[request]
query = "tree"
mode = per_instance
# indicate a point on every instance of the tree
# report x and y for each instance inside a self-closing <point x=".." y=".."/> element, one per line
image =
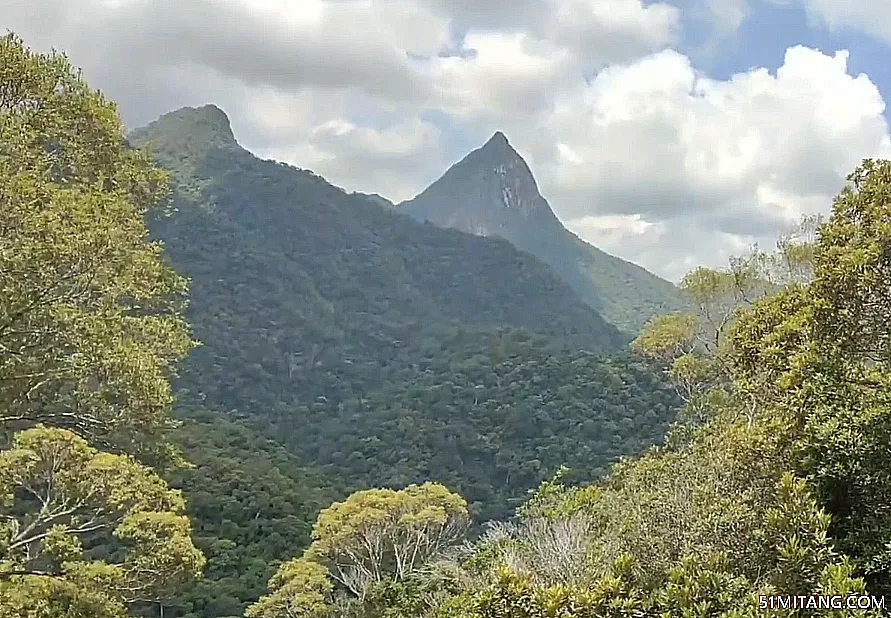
<point x="90" y="326"/>
<point x="90" y="317"/>
<point x="64" y="499"/>
<point x="820" y="356"/>
<point x="381" y="534"/>
<point x="804" y="362"/>
<point x="695" y="345"/>
<point x="300" y="589"/>
<point x="547" y="550"/>
<point x="374" y="538"/>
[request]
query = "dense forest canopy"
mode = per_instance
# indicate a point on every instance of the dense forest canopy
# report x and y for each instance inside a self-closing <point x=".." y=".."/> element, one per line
<point x="381" y="350"/>
<point x="356" y="435"/>
<point x="774" y="482"/>
<point x="376" y="350"/>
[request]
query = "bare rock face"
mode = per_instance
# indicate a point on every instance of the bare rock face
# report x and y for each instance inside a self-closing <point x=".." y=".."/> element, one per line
<point x="491" y="192"/>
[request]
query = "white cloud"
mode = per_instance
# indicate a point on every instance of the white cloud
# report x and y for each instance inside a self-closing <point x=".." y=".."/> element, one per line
<point x="602" y="31"/>
<point x="663" y="247"/>
<point x="341" y="151"/>
<point x="872" y="17"/>
<point x="655" y="141"/>
<point x="507" y="73"/>
<point x="635" y="149"/>
<point x="596" y="31"/>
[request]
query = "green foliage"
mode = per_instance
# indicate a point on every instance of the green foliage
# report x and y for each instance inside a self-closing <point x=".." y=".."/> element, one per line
<point x="378" y="531"/>
<point x="553" y="499"/>
<point x="491" y="418"/>
<point x="373" y="544"/>
<point x="90" y="519"/>
<point x="419" y="595"/>
<point x="252" y="505"/>
<point x="699" y="349"/>
<point x="89" y="314"/>
<point x="668" y="336"/>
<point x="299" y="589"/>
<point x="823" y="351"/>
<point x="783" y="488"/>
<point x="90" y="326"/>
<point x="513" y="596"/>
<point x="384" y="351"/>
<point x="79" y="492"/>
<point x="42" y="597"/>
<point x="798" y="530"/>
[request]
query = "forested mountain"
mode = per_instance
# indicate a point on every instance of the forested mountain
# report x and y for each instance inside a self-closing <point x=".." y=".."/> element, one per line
<point x="374" y="350"/>
<point x="491" y="192"/>
<point x="382" y="348"/>
<point x="310" y="269"/>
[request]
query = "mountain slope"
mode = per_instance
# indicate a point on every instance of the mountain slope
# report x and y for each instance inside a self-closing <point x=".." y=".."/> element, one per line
<point x="364" y="275"/>
<point x="379" y="350"/>
<point x="492" y="192"/>
<point x="250" y="502"/>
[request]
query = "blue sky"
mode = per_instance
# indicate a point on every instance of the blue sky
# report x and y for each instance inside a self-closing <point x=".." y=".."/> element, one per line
<point x="770" y="28"/>
<point x="672" y="133"/>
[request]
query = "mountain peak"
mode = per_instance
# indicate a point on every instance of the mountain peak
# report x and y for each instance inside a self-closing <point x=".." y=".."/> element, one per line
<point x="207" y="125"/>
<point x="213" y="117"/>
<point x="499" y="166"/>
<point x="498" y="139"/>
<point x="491" y="191"/>
<point x="499" y="148"/>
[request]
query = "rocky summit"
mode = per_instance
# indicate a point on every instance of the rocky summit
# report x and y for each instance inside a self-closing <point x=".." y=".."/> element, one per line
<point x="492" y="192"/>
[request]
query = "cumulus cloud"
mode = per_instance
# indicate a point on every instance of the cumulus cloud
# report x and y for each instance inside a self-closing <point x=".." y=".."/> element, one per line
<point x="657" y="132"/>
<point x="636" y="150"/>
<point x="700" y="159"/>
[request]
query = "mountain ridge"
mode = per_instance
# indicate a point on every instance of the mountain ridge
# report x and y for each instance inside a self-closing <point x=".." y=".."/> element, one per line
<point x="493" y="192"/>
<point x="321" y="312"/>
<point x="375" y="350"/>
<point x="323" y="229"/>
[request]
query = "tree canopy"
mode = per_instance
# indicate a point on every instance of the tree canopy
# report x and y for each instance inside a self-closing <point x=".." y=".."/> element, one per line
<point x="374" y="539"/>
<point x="90" y="321"/>
<point x="90" y="326"/>
<point x="778" y="485"/>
